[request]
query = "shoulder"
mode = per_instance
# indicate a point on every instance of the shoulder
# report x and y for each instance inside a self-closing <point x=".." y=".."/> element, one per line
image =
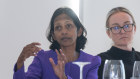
<point x="91" y="58"/>
<point x="107" y="54"/>
<point x="137" y="54"/>
<point x="104" y="55"/>
<point x="95" y="62"/>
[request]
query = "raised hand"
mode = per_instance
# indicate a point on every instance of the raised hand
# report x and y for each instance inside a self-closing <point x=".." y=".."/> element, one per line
<point x="59" y="68"/>
<point x="28" y="50"/>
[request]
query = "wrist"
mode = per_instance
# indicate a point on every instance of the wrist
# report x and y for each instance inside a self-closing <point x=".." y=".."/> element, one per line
<point x="21" y="59"/>
<point x="19" y="65"/>
<point x="64" y="77"/>
<point x="20" y="62"/>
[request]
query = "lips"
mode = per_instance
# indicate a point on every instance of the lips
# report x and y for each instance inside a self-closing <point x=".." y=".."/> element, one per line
<point x="123" y="37"/>
<point x="65" y="38"/>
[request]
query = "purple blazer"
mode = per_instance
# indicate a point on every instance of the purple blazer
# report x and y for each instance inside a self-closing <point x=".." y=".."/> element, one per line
<point x="41" y="68"/>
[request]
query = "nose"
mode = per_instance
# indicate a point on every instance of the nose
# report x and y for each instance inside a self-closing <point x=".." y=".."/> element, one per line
<point x="122" y="30"/>
<point x="64" y="31"/>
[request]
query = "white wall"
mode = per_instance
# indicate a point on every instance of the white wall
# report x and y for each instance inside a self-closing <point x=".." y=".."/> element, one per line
<point x="94" y="17"/>
<point x="25" y="21"/>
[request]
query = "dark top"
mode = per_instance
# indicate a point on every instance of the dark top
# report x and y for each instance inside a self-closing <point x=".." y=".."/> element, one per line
<point x="114" y="53"/>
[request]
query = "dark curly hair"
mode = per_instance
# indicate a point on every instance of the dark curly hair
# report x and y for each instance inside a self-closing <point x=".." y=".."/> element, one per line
<point x="80" y="42"/>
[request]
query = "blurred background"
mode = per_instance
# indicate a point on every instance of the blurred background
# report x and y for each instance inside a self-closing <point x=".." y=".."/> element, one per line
<point x="25" y="21"/>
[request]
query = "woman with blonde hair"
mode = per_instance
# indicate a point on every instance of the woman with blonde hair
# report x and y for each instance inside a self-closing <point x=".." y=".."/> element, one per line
<point x="121" y="28"/>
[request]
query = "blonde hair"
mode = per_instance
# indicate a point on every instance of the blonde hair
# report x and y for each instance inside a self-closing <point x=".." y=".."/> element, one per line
<point x="116" y="10"/>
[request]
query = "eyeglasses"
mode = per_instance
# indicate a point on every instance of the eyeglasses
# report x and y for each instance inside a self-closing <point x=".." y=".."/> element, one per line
<point x="117" y="29"/>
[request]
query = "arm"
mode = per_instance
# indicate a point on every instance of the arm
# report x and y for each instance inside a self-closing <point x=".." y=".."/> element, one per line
<point x="34" y="70"/>
<point x="93" y="71"/>
<point x="19" y="74"/>
<point x="28" y="50"/>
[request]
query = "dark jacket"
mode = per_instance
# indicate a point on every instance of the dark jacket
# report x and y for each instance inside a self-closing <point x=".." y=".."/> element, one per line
<point x="114" y="53"/>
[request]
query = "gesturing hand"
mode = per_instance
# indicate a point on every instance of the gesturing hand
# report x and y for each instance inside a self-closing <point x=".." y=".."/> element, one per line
<point x="59" y="68"/>
<point x="28" y="50"/>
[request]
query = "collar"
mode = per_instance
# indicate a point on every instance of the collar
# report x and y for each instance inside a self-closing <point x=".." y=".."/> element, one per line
<point x="120" y="54"/>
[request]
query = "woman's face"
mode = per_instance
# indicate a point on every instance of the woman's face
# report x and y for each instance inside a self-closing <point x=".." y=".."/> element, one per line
<point x="65" y="31"/>
<point x="122" y="38"/>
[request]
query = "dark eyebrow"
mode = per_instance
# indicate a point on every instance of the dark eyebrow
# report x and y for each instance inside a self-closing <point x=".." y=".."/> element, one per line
<point x="67" y="21"/>
<point x="56" y="23"/>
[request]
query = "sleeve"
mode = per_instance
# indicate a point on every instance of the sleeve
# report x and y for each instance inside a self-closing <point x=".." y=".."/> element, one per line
<point x="101" y="67"/>
<point x="34" y="71"/>
<point x="100" y="70"/>
<point x="93" y="71"/>
<point x="19" y="74"/>
<point x="68" y="77"/>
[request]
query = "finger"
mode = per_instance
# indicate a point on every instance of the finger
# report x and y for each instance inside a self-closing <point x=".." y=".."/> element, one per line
<point x="62" y="65"/>
<point x="33" y="54"/>
<point x="64" y="59"/>
<point x="58" y="55"/>
<point x="27" y="54"/>
<point x="32" y="45"/>
<point x="31" y="51"/>
<point x="37" y="49"/>
<point x="35" y="43"/>
<point x="52" y="62"/>
<point x="63" y="56"/>
<point x="61" y="52"/>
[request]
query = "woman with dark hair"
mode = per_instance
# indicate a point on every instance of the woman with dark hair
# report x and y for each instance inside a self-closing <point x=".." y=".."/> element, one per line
<point x="121" y="28"/>
<point x="68" y="37"/>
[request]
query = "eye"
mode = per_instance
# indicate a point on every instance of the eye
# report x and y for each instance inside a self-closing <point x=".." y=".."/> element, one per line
<point x="69" y="26"/>
<point x="57" y="28"/>
<point x="126" y="26"/>
<point x="116" y="28"/>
